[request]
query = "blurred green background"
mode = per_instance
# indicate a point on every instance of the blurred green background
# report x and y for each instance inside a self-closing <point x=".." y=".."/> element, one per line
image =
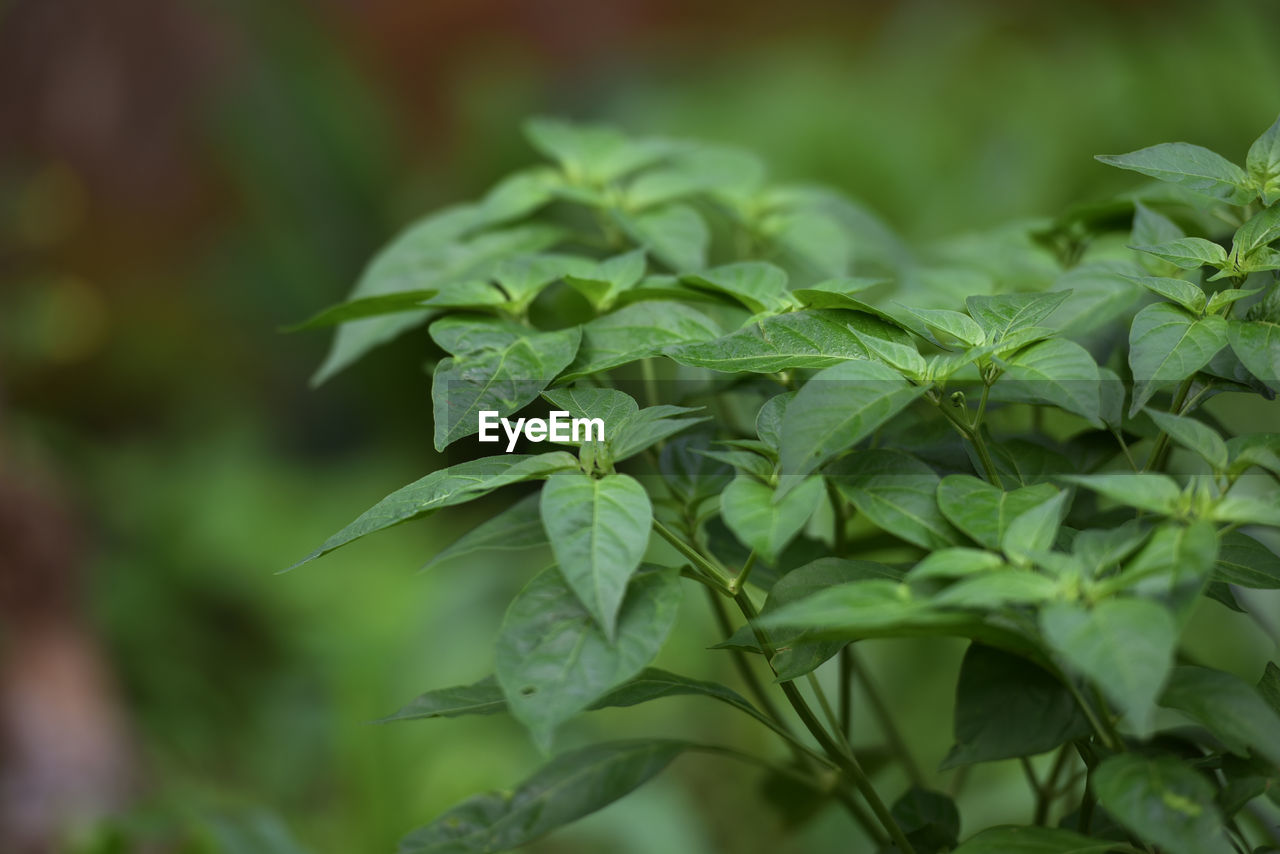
<point x="180" y="178"/>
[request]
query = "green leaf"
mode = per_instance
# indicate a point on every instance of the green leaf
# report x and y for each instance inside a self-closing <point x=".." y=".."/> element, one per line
<point x="1155" y="492"/>
<point x="956" y="563"/>
<point x="1193" y="435"/>
<point x="479" y="698"/>
<point x="1257" y="344"/>
<point x="355" y="309"/>
<point x="1032" y="840"/>
<point x="599" y="530"/>
<point x="432" y="254"/>
<point x="813" y="239"/>
<point x="837" y="408"/>
<point x="1163" y="802"/>
<point x="762" y="523"/>
<point x="1124" y="645"/>
<point x="592" y="153"/>
<point x="495" y="365"/>
<point x="928" y="819"/>
<point x="984" y="511"/>
<point x="897" y="493"/>
<point x="838" y="293"/>
<point x="1248" y="510"/>
<point x="523" y="277"/>
<point x="637" y="331"/>
<point x="485" y="697"/>
<point x="1151" y="227"/>
<point x="676" y="234"/>
<point x="1056" y="371"/>
<point x="552" y="659"/>
<point x="609" y="278"/>
<point x="1001" y="314"/>
<point x="1245" y="562"/>
<point x="1228" y="707"/>
<point x="1166" y="344"/>
<point x="798" y="339"/>
<point x="705" y="169"/>
<point x="996" y="590"/>
<point x="445" y="488"/>
<point x="1008" y="707"/>
<point x="517" y="528"/>
<point x="1263" y="164"/>
<point x="1183" y="553"/>
<point x="794" y="657"/>
<point x="1261" y="229"/>
<point x="769" y="419"/>
<point x="1269" y="686"/>
<point x="1188" y="253"/>
<point x="628" y="429"/>
<point x="1032" y="532"/>
<point x="902" y="357"/>
<point x="567" y="788"/>
<point x="1224" y="298"/>
<point x="1191" y="166"/>
<point x="1186" y="294"/>
<point x="759" y="286"/>
<point x="945" y="327"/>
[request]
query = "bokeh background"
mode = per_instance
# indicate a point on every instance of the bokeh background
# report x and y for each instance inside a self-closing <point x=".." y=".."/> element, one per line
<point x="181" y="178"/>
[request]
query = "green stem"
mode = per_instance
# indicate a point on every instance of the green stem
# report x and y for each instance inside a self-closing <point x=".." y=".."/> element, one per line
<point x="754" y="686"/>
<point x="736" y="583"/>
<point x="650" y="382"/>
<point x="884" y="717"/>
<point x="840" y="539"/>
<point x="845" y="760"/>
<point x="846" y="693"/>
<point x="714" y="575"/>
<point x="975" y="438"/>
<point x="1161" y="449"/>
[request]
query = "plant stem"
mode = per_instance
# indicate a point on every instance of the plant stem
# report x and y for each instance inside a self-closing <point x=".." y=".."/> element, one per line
<point x="736" y="583"/>
<point x="749" y="677"/>
<point x="844" y="759"/>
<point x="840" y="540"/>
<point x="884" y="717"/>
<point x="714" y="575"/>
<point x="1161" y="449"/>
<point x="846" y="693"/>
<point x="974" y="435"/>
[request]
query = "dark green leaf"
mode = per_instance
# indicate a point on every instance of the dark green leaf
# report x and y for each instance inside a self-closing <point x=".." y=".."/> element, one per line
<point x="897" y="493"/>
<point x="837" y="408"/>
<point x="762" y="523"/>
<point x="553" y="660"/>
<point x="635" y="332"/>
<point x="1228" y="707"/>
<point x="759" y="286"/>
<point x="1257" y="344"/>
<point x="570" y="786"/>
<point x="1007" y="707"/>
<point x="495" y="365"/>
<point x="1162" y="801"/>
<point x="479" y="698"/>
<point x="1166" y="344"/>
<point x="517" y="528"/>
<point x="1192" y="166"/>
<point x="799" y="339"/>
<point x="983" y="511"/>
<point x="929" y="819"/>
<point x="1056" y="371"/>
<point x="1003" y="314"/>
<point x="1244" y="561"/>
<point x="1032" y="840"/>
<point x="445" y="488"/>
<point x="1263" y="164"/>
<point x="1124" y="645"/>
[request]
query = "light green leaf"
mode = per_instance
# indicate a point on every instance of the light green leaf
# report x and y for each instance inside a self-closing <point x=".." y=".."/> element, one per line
<point x="1261" y="229"/>
<point x="769" y="419"/>
<point x="567" y="788"/>
<point x="432" y="254"/>
<point x="609" y="278"/>
<point x="1149" y="228"/>
<point x="1166" y="344"/>
<point x="1228" y="707"/>
<point x="837" y="408"/>
<point x="637" y="331"/>
<point x="355" y="309"/>
<point x="1191" y="166"/>
<point x="704" y="169"/>
<point x="1257" y="344"/>
<point x="817" y="241"/>
<point x="798" y="339"/>
<point x="1056" y="371"/>
<point x="591" y="153"/>
<point x="445" y="488"/>
<point x="838" y="293"/>
<point x="648" y="427"/>
<point x="1188" y="253"/>
<point x="902" y="357"/>
<point x="762" y="523"/>
<point x="1032" y="840"/>
<point x="1244" y="561"/>
<point x="1248" y="510"/>
<point x="479" y="698"/>
<point x="495" y="365"/>
<point x="958" y="562"/>
<point x="1008" y="707"/>
<point x="897" y="493"/>
<point x="1032" y="532"/>
<point x="983" y="511"/>
<point x="517" y="528"/>
<point x="676" y="234"/>
<point x="1181" y="552"/>
<point x="1163" y="801"/>
<point x="945" y="327"/>
<point x="995" y="590"/>
<point x="1186" y="294"/>
<point x="523" y="277"/>
<point x="1193" y="435"/>
<point x="598" y="530"/>
<point x="1124" y="645"/>
<point x="1263" y="164"/>
<point x="759" y="286"/>
<point x="1226" y="297"/>
<point x="552" y="659"/>
<point x="1155" y="492"/>
<point x="1002" y="314"/>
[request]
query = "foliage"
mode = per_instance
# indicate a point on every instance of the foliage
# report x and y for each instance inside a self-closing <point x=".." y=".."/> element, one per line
<point x="842" y="444"/>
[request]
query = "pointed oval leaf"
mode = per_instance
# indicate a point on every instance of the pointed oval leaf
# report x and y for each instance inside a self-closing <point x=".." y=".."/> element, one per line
<point x="763" y="524"/>
<point x="1192" y="166"/>
<point x="1166" y="344"/>
<point x="598" y="530"/>
<point x="984" y="511"/>
<point x="1163" y="801"/>
<point x="1056" y="371"/>
<point x="637" y="331"/>
<point x="897" y="493"/>
<point x="1263" y="163"/>
<point x="798" y="339"/>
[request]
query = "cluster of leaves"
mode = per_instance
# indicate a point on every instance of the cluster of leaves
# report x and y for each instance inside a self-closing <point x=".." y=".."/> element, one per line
<point x="999" y="438"/>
